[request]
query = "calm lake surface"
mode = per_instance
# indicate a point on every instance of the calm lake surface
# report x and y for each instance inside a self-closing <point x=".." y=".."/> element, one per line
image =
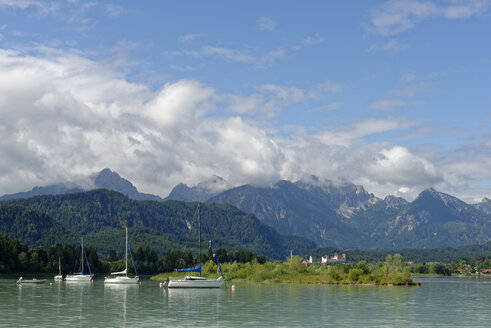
<point x="439" y="302"/>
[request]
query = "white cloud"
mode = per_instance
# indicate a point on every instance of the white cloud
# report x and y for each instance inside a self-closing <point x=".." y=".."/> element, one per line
<point x="408" y="78"/>
<point x="244" y="105"/>
<point x="251" y="55"/>
<point x="114" y="10"/>
<point x="188" y="53"/>
<point x="328" y="87"/>
<point x="65" y="116"/>
<point x="21" y="4"/>
<point x="72" y="12"/>
<point x="396" y="16"/>
<point x="229" y="54"/>
<point x="354" y="133"/>
<point x="334" y="106"/>
<point x="392" y="45"/>
<point x="398" y="166"/>
<point x="404" y="96"/>
<point x="179" y="104"/>
<point x="266" y="23"/>
<point x="388" y="103"/>
<point x="243" y="57"/>
<point x="465" y="8"/>
<point x="284" y="93"/>
<point x="411" y="90"/>
<point x="270" y="98"/>
<point x="313" y="40"/>
<point x="190" y="37"/>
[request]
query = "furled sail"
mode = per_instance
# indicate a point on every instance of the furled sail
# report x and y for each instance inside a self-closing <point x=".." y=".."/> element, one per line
<point x="120" y="272"/>
<point x="197" y="269"/>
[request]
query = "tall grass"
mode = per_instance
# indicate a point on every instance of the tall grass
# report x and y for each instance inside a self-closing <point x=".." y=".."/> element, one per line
<point x="391" y="272"/>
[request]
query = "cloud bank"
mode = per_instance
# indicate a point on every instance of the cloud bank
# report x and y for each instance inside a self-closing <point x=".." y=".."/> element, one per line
<point x="65" y="116"/>
<point x="396" y="16"/>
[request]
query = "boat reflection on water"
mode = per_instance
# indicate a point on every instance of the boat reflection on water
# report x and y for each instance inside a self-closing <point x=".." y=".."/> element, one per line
<point x="30" y="290"/>
<point x="116" y="298"/>
<point x="190" y="302"/>
<point x="118" y="292"/>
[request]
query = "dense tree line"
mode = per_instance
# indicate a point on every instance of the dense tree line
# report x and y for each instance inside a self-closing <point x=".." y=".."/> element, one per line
<point x="471" y="254"/>
<point x="16" y="257"/>
<point x="240" y="256"/>
<point x="447" y="269"/>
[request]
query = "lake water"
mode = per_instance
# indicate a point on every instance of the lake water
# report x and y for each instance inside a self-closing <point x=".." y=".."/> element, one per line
<point x="439" y="302"/>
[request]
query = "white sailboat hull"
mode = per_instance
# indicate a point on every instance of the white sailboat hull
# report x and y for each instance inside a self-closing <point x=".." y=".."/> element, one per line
<point x="33" y="281"/>
<point x="193" y="282"/>
<point x="122" y="276"/>
<point x="58" y="277"/>
<point x="79" y="277"/>
<point x="121" y="280"/>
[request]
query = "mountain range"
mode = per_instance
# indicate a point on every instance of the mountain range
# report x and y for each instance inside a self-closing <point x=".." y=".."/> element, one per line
<point x="105" y="179"/>
<point x="340" y="215"/>
<point x="347" y="216"/>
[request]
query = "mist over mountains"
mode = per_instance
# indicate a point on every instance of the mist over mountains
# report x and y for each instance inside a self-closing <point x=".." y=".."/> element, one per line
<point x="347" y="216"/>
<point x="340" y="215"/>
<point x="105" y="179"/>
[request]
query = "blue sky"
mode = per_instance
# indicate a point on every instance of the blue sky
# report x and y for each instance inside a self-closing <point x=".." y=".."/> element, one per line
<point x="392" y="95"/>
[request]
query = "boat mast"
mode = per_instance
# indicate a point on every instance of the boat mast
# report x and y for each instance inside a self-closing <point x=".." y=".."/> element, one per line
<point x="82" y="258"/>
<point x="59" y="266"/>
<point x="199" y="237"/>
<point x="126" y="252"/>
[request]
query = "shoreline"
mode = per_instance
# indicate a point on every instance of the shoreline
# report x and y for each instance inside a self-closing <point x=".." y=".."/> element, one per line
<point x="164" y="276"/>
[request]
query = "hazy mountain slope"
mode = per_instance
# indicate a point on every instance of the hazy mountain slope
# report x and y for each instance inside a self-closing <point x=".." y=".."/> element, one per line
<point x="199" y="193"/>
<point x="347" y="216"/>
<point x="55" y="189"/>
<point x="105" y="179"/>
<point x="291" y="209"/>
<point x="433" y="220"/>
<point x="484" y="206"/>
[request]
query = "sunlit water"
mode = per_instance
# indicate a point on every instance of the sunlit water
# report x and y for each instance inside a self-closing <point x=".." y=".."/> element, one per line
<point x="444" y="302"/>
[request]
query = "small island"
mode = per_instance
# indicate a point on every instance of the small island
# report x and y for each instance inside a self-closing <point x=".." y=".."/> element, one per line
<point x="392" y="272"/>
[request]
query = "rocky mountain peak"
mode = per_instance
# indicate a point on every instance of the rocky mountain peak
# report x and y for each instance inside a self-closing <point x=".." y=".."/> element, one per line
<point x="111" y="180"/>
<point x="395" y="202"/>
<point x="484" y="206"/>
<point x="201" y="192"/>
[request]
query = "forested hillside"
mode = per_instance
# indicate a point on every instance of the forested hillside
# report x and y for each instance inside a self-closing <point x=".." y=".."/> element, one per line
<point x="101" y="215"/>
<point x="32" y="226"/>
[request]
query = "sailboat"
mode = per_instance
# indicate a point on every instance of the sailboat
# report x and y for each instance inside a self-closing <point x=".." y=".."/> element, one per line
<point x="122" y="276"/>
<point x="59" y="276"/>
<point x="80" y="276"/>
<point x="194" y="281"/>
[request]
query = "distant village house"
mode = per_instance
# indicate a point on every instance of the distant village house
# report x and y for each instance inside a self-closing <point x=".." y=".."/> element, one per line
<point x="307" y="261"/>
<point x="334" y="259"/>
